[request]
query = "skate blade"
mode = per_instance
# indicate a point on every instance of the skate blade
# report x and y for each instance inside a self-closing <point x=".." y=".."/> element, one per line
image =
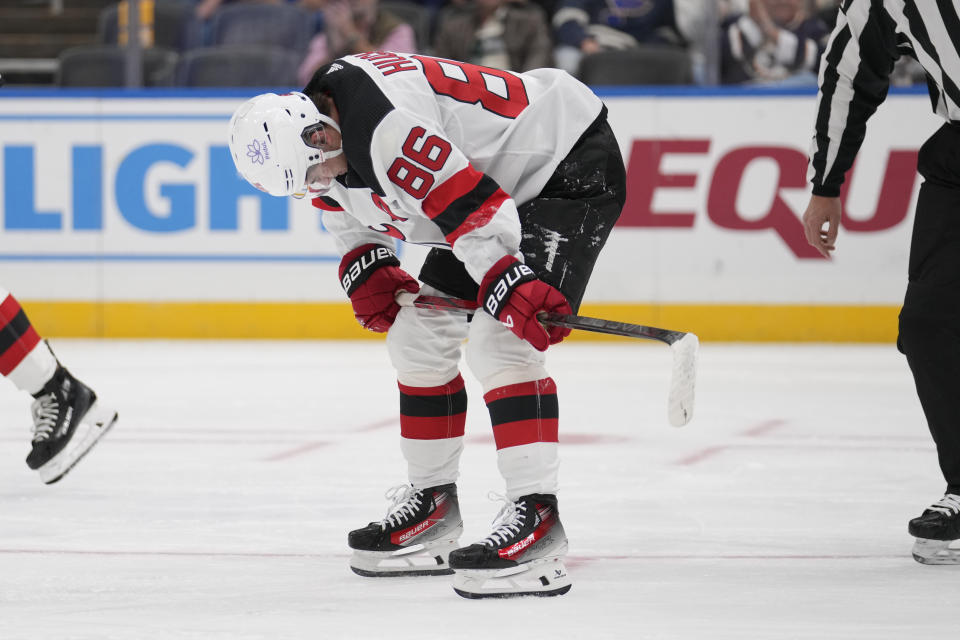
<point x="543" y="578"/>
<point x="94" y="425"/>
<point x="428" y="559"/>
<point x="936" y="551"/>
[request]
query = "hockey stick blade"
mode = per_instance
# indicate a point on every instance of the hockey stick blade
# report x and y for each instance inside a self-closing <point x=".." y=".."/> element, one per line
<point x="683" y="379"/>
<point x="684" y="345"/>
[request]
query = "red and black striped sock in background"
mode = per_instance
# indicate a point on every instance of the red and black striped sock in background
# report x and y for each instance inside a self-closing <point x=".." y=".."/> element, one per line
<point x="17" y="335"/>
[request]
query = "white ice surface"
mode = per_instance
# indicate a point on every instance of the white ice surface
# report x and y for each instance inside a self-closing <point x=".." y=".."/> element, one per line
<point x="218" y="507"/>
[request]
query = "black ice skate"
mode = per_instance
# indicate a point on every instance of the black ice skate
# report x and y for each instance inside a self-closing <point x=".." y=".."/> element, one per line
<point x="522" y="557"/>
<point x="67" y="422"/>
<point x="420" y="529"/>
<point x="937" y="531"/>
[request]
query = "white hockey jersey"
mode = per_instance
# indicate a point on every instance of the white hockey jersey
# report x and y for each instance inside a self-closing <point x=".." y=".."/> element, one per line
<point x="441" y="152"/>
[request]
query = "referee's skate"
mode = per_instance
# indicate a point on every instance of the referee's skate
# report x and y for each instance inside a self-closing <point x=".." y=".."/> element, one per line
<point x="937" y="531"/>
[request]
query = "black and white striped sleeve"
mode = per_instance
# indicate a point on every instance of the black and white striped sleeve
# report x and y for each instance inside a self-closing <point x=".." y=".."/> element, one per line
<point x="854" y="78"/>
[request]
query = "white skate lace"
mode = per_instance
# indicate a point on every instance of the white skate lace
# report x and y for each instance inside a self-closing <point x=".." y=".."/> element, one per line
<point x="507" y="522"/>
<point x="45" y="411"/>
<point x="948" y="505"/>
<point x="405" y="500"/>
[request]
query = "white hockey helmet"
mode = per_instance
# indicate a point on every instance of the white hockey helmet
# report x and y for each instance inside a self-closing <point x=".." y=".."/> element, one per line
<point x="270" y="143"/>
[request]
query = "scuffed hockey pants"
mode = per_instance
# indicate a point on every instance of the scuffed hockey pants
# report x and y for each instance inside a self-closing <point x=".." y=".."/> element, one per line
<point x="564" y="229"/>
<point x="930" y="318"/>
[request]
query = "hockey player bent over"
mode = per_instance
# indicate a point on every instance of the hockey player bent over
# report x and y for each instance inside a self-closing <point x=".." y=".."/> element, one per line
<point x="67" y="419"/>
<point x="515" y="180"/>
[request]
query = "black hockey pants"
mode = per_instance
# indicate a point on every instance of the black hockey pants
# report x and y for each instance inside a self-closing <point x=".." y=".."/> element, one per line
<point x="930" y="318"/>
<point x="564" y="227"/>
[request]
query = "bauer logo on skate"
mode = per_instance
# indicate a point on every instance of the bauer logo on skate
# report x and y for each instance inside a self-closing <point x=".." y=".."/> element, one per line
<point x="420" y="528"/>
<point x="547" y="518"/>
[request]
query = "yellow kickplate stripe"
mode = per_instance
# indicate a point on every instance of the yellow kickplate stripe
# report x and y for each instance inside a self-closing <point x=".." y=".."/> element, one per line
<point x="334" y="321"/>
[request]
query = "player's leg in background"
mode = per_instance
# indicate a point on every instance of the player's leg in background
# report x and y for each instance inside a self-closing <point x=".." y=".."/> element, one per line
<point x="424" y="523"/>
<point x="24" y="358"/>
<point x="67" y="419"/>
<point x="930" y="335"/>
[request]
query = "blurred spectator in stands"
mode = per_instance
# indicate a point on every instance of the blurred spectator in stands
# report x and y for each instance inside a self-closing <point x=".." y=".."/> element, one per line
<point x="826" y="10"/>
<point x="505" y="34"/>
<point x="906" y="71"/>
<point x="774" y="42"/>
<point x="356" y="26"/>
<point x="315" y="8"/>
<point x="549" y="7"/>
<point x="582" y="27"/>
<point x="206" y="8"/>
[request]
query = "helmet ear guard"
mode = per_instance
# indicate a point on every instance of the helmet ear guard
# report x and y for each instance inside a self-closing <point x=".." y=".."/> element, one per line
<point x="269" y="142"/>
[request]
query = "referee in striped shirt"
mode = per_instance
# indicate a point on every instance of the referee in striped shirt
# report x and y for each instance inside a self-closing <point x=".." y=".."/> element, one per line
<point x="869" y="37"/>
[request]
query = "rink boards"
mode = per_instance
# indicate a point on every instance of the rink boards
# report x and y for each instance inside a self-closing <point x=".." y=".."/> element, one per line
<point x="122" y="216"/>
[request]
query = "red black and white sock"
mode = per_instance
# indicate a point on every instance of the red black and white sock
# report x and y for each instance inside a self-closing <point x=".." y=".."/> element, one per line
<point x="432" y="421"/>
<point x="24" y="358"/>
<point x="525" y="427"/>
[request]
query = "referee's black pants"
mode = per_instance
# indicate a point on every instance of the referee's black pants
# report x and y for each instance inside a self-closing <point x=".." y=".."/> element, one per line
<point x="930" y="318"/>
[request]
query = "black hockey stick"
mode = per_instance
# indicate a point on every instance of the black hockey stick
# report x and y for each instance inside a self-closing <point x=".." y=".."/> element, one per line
<point x="683" y="344"/>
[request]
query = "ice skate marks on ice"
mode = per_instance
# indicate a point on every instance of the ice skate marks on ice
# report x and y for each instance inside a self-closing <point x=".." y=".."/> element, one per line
<point x="936" y="551"/>
<point x="93" y="426"/>
<point x="425" y="559"/>
<point x="542" y="577"/>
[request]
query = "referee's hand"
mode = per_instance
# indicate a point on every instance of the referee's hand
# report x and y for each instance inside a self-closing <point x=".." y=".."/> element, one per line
<point x="822" y="211"/>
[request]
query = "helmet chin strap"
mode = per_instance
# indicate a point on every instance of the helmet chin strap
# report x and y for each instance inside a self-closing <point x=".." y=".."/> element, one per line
<point x="316" y="189"/>
<point x="326" y="155"/>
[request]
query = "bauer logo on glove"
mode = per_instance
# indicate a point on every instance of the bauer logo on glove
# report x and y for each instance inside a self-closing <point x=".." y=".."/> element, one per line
<point x="362" y="265"/>
<point x="509" y="279"/>
<point x="512" y="293"/>
<point x="371" y="276"/>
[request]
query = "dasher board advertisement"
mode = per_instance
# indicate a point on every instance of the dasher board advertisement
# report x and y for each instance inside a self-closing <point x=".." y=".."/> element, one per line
<point x="122" y="214"/>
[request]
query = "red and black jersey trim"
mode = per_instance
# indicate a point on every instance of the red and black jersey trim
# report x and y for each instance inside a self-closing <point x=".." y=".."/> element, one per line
<point x="524" y="413"/>
<point x="326" y="203"/>
<point x="17" y="335"/>
<point x="464" y="202"/>
<point x="433" y="413"/>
